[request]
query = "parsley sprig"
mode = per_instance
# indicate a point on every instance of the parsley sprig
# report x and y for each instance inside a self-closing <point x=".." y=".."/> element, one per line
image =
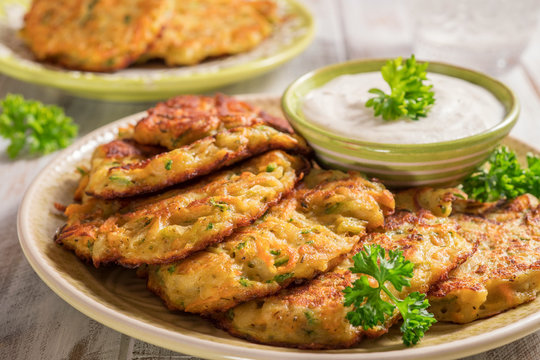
<point x="27" y="122"/>
<point x="370" y="310"/>
<point x="502" y="177"/>
<point x="409" y="96"/>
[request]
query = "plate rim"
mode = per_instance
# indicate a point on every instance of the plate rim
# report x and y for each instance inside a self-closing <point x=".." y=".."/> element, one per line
<point x="187" y="344"/>
<point x="93" y="85"/>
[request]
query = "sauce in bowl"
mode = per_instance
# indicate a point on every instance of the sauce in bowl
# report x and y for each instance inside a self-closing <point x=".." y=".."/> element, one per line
<point x="461" y="109"/>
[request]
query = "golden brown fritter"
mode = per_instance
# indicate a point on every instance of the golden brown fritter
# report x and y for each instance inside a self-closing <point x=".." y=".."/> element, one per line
<point x="438" y="201"/>
<point x="83" y="182"/>
<point x="115" y="153"/>
<point x="200" y="29"/>
<point x="503" y="273"/>
<point x="104" y="157"/>
<point x="199" y="158"/>
<point x="170" y="226"/>
<point x="312" y="316"/>
<point x="185" y="119"/>
<point x="88" y="213"/>
<point x="308" y="233"/>
<point x="93" y="35"/>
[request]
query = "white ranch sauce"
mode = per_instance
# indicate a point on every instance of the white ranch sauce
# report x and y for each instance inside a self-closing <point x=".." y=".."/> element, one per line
<point x="461" y="109"/>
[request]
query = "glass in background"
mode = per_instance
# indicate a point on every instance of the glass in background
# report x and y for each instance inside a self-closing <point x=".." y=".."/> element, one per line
<point x="487" y="35"/>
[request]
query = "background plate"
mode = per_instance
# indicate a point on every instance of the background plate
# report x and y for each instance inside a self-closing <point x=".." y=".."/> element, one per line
<point x="118" y="299"/>
<point x="147" y="82"/>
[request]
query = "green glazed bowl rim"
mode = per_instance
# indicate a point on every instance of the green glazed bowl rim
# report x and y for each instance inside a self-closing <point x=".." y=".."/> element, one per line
<point x="291" y="101"/>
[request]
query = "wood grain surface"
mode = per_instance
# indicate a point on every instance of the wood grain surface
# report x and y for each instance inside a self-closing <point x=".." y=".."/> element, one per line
<point x="36" y="324"/>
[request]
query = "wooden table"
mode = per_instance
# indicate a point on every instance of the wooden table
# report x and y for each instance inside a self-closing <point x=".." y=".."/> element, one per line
<point x="36" y="324"/>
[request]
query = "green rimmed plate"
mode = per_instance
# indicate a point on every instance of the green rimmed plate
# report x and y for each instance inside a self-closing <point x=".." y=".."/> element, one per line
<point x="152" y="81"/>
<point x="117" y="298"/>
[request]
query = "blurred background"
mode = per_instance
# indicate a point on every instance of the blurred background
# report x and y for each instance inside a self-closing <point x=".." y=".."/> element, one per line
<point x="488" y="35"/>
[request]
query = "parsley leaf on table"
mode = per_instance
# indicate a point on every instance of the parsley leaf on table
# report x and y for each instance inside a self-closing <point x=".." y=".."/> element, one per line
<point x="28" y="122"/>
<point x="502" y="177"/>
<point x="369" y="309"/>
<point x="409" y="96"/>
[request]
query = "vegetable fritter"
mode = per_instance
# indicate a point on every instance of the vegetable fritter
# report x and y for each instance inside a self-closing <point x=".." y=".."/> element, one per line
<point x="200" y="29"/>
<point x="89" y="213"/>
<point x="503" y="273"/>
<point x="173" y="225"/>
<point x="115" y="153"/>
<point x="307" y="233"/>
<point x="104" y="157"/>
<point x="438" y="201"/>
<point x="185" y="119"/>
<point x="94" y="35"/>
<point x="199" y="158"/>
<point x="313" y="316"/>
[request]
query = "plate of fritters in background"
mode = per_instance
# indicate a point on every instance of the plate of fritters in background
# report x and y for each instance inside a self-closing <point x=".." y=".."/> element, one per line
<point x="117" y="298"/>
<point x="148" y="49"/>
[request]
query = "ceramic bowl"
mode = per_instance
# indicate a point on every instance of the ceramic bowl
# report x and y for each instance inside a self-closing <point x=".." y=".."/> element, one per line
<point x="400" y="165"/>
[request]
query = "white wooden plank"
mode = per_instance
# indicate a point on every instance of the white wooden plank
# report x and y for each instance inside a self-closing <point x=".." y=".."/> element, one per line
<point x="145" y="351"/>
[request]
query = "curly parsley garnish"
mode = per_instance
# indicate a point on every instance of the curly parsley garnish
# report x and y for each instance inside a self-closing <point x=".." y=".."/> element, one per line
<point x="502" y="177"/>
<point x="409" y="96"/>
<point x="27" y="122"/>
<point x="369" y="309"/>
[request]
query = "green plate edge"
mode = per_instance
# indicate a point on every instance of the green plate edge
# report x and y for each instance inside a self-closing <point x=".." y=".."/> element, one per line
<point x="92" y="85"/>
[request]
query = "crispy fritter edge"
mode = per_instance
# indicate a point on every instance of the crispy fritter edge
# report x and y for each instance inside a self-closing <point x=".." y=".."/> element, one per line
<point x="244" y="154"/>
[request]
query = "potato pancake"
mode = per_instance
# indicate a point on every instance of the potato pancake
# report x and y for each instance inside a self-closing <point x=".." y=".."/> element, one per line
<point x="307" y="233"/>
<point x="313" y="316"/>
<point x="503" y="273"/>
<point x="438" y="201"/>
<point x="111" y="154"/>
<point x="185" y="119"/>
<point x="199" y="158"/>
<point x="200" y="29"/>
<point x="89" y="212"/>
<point x="115" y="153"/>
<point x="93" y="35"/>
<point x="173" y="225"/>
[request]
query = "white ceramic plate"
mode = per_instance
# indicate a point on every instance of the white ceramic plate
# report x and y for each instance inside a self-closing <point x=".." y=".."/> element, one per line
<point x="118" y="299"/>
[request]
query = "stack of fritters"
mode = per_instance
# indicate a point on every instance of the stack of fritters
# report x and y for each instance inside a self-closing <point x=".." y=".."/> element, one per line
<point x="481" y="260"/>
<point x="106" y="35"/>
<point x="313" y="316"/>
<point x="504" y="272"/>
<point x="219" y="207"/>
<point x="307" y="233"/>
<point x="170" y="225"/>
